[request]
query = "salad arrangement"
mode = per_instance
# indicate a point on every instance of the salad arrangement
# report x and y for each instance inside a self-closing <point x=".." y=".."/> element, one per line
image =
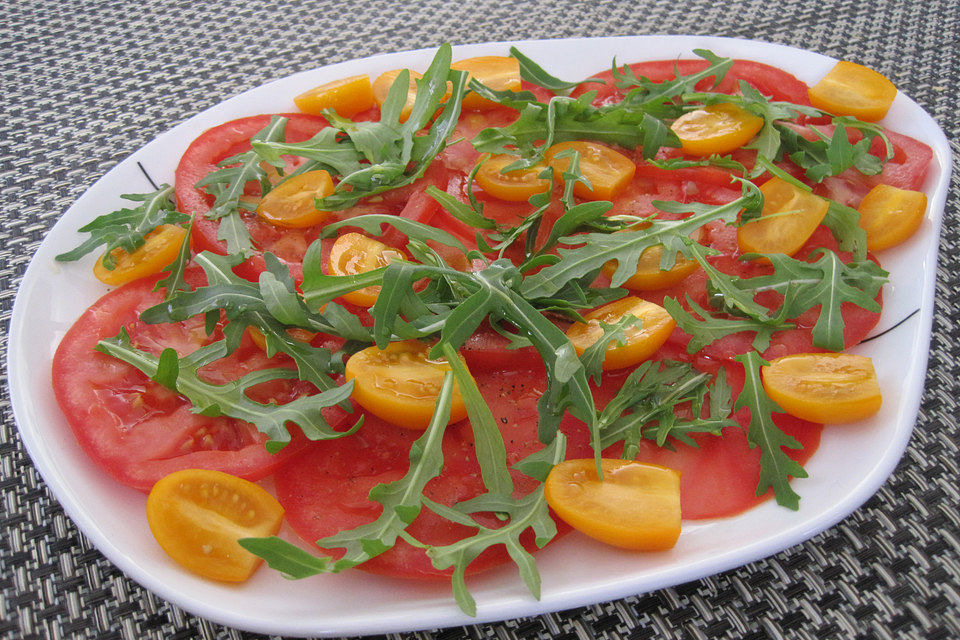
<point x="648" y="195"/>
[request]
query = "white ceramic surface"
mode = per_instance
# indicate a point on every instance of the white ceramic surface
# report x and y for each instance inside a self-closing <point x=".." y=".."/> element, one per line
<point x="852" y="463"/>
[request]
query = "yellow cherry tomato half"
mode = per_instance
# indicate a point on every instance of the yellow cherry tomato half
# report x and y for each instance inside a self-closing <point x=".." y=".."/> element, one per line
<point x="294" y="332"/>
<point x="381" y="87"/>
<point x="354" y="253"/>
<point x="347" y="96"/>
<point x="197" y="516"/>
<point x="291" y="204"/>
<point x="790" y="216"/>
<point x="608" y="171"/>
<point x="828" y="388"/>
<point x="636" y="506"/>
<point x="500" y="73"/>
<point x="851" y="89"/>
<point x="401" y="383"/>
<point x="649" y="276"/>
<point x="890" y="215"/>
<point x="716" y="128"/>
<point x="160" y="249"/>
<point x="641" y="342"/>
<point x="515" y="186"/>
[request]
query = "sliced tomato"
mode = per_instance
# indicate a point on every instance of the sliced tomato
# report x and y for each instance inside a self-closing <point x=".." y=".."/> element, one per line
<point x="770" y="81"/>
<point x="233" y="137"/>
<point x="139" y="431"/>
<point x="324" y="490"/>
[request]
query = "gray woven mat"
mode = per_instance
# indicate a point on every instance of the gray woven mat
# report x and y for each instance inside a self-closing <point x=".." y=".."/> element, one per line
<point x="86" y="83"/>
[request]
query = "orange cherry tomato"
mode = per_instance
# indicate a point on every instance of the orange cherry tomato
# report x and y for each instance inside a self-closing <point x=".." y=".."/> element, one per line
<point x="828" y="388"/>
<point x="790" y="216"/>
<point x="354" y="253"/>
<point x="716" y="128"/>
<point x="641" y="343"/>
<point x="160" y="249"/>
<point x="608" y="171"/>
<point x="401" y="384"/>
<point x="381" y="87"/>
<point x="497" y="72"/>
<point x="649" y="275"/>
<point x="515" y="186"/>
<point x="890" y="215"/>
<point x="291" y="203"/>
<point x="348" y="97"/>
<point x="850" y="89"/>
<point x="294" y="332"/>
<point x="636" y="506"/>
<point x="197" y="516"/>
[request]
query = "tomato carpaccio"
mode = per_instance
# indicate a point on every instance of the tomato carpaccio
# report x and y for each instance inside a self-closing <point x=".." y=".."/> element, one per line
<point x="139" y="431"/>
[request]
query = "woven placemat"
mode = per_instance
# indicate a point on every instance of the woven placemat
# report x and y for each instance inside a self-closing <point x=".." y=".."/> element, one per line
<point x="87" y="83"/>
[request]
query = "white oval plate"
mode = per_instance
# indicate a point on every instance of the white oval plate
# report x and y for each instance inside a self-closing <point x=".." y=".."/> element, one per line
<point x="852" y="463"/>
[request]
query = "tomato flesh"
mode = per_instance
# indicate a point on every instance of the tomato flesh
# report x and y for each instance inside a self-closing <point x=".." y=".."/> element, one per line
<point x="831" y="388"/>
<point x="355" y="253"/>
<point x="197" y="516"/>
<point x="139" y="431"/>
<point x="401" y="383"/>
<point x="634" y="506"/>
<point x="790" y="216"/>
<point x="640" y="343"/>
<point x="608" y="171"/>
<point x="158" y="251"/>
<point x="850" y="89"/>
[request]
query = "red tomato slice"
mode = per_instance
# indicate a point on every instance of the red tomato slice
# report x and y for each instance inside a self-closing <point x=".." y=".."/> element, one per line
<point x="233" y="137"/>
<point x="139" y="431"/>
<point x="770" y="81"/>
<point x="324" y="490"/>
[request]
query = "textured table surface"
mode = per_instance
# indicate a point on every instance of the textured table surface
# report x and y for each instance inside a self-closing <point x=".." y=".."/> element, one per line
<point x="87" y="83"/>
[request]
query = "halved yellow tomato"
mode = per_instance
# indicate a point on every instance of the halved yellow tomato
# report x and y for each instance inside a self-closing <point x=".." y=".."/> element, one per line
<point x="515" y="186"/>
<point x="828" y="388"/>
<point x="790" y="216"/>
<point x="160" y="249"/>
<point x="608" y="171"/>
<point x="354" y="253"/>
<point x="347" y="96"/>
<point x="501" y="73"/>
<point x="716" y="128"/>
<point x="636" y="505"/>
<point x="890" y="215"/>
<point x="294" y="332"/>
<point x="291" y="204"/>
<point x="197" y="516"/>
<point x="851" y="89"/>
<point x="401" y="383"/>
<point x="381" y="87"/>
<point x="641" y="342"/>
<point x="649" y="276"/>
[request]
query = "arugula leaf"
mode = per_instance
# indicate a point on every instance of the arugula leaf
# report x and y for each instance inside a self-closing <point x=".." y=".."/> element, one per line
<point x="270" y="306"/>
<point x="372" y="157"/>
<point x="776" y="467"/>
<point x="827" y="282"/>
<point x="645" y="406"/>
<point x="705" y="328"/>
<point x="402" y="501"/>
<point x="844" y="223"/>
<point x="127" y="228"/>
<point x="534" y="74"/>
<point x="176" y="270"/>
<point x="593" y="250"/>
<point x="528" y="512"/>
<point x="227" y="185"/>
<point x="230" y="399"/>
